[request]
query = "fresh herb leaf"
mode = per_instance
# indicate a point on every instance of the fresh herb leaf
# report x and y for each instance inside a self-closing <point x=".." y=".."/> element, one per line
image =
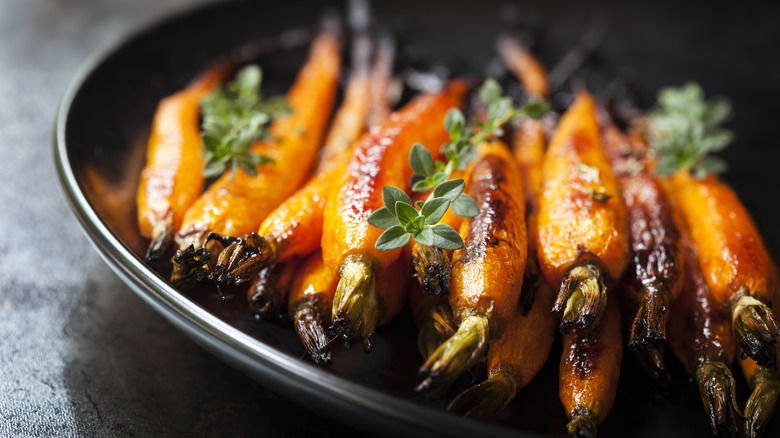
<point x="445" y="237"/>
<point x="234" y="117"/>
<point x="392" y="238"/>
<point x="434" y="210"/>
<point x="392" y="196"/>
<point x="465" y="206"/>
<point x="421" y="160"/>
<point x="685" y="128"/>
<point x="425" y="236"/>
<point x="383" y="218"/>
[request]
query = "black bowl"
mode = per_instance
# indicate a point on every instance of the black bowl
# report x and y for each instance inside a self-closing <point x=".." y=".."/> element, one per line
<point x="104" y="118"/>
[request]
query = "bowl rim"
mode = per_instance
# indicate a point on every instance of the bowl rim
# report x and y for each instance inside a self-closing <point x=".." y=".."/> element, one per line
<point x="323" y="392"/>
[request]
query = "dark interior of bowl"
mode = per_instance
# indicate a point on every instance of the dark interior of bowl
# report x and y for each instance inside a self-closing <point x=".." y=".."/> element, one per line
<point x="730" y="49"/>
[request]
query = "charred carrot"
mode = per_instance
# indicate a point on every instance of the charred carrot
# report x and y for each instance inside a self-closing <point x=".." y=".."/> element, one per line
<point x="268" y="291"/>
<point x="173" y="176"/>
<point x="700" y="336"/>
<point x="589" y="373"/>
<point x="735" y="262"/>
<point x="380" y="159"/>
<point x="487" y="274"/>
<point x="653" y="277"/>
<point x="295" y="226"/>
<point x="513" y="360"/>
<point x="234" y="206"/>
<point x="582" y="244"/>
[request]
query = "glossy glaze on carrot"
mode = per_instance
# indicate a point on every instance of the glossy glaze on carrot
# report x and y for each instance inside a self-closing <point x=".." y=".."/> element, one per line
<point x="487" y="274"/>
<point x="653" y="278"/>
<point x="589" y="373"/>
<point x="583" y="228"/>
<point x="380" y="159"/>
<point x="736" y="264"/>
<point x="173" y="176"/>
<point x="237" y="206"/>
<point x="700" y="336"/>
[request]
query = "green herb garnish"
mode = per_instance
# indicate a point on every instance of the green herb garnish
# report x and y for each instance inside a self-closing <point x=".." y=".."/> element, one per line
<point x="399" y="217"/>
<point x="685" y="128"/>
<point x="234" y="117"/>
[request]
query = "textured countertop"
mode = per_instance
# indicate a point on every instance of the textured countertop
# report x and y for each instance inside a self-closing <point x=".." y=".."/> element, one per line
<point x="80" y="353"/>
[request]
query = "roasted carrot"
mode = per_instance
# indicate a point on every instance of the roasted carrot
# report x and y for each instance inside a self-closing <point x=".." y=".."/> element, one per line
<point x="487" y="274"/>
<point x="380" y="159"/>
<point x="173" y="176"/>
<point x="295" y="226"/>
<point x="513" y="360"/>
<point x="653" y="278"/>
<point x="700" y="336"/>
<point x="381" y="77"/>
<point x="583" y="229"/>
<point x="311" y="297"/>
<point x="736" y="264"/>
<point x="234" y="206"/>
<point x="524" y="65"/>
<point x="589" y="373"/>
<point x="268" y="291"/>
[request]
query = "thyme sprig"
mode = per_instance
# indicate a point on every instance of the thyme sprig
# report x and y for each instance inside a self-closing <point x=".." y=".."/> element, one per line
<point x="403" y="220"/>
<point x="684" y="129"/>
<point x="234" y="117"/>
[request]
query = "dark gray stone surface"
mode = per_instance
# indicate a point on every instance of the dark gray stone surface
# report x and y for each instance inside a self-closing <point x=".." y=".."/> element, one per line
<point x="80" y="354"/>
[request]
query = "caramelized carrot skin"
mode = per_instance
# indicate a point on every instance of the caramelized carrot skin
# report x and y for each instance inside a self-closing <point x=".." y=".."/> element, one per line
<point x="380" y="159"/>
<point x="173" y="176"/>
<point x="487" y="274"/>
<point x="233" y="207"/>
<point x="314" y="283"/>
<point x="589" y="370"/>
<point x="573" y="226"/>
<point x="525" y="345"/>
<point x="731" y="252"/>
<point x="699" y="331"/>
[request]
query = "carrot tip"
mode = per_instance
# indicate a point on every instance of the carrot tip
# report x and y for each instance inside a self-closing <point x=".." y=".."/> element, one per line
<point x="717" y="390"/>
<point x="648" y="330"/>
<point x="756" y="330"/>
<point x="355" y="306"/>
<point x="264" y="297"/>
<point x="761" y="404"/>
<point x="163" y="236"/>
<point x="486" y="400"/>
<point x="583" y="424"/>
<point x="189" y="266"/>
<point x="459" y="353"/>
<point x="432" y="268"/>
<point x="582" y="298"/>
<point x="308" y="324"/>
<point x="652" y="361"/>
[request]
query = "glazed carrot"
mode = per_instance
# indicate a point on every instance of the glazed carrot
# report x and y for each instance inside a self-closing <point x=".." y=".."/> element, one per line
<point x="736" y="264"/>
<point x="236" y="206"/>
<point x="311" y="297"/>
<point x="380" y="159"/>
<point x="589" y="373"/>
<point x="653" y="278"/>
<point x="173" y="176"/>
<point x="268" y="291"/>
<point x="583" y="230"/>
<point x="487" y="274"/>
<point x="700" y="336"/>
<point x="295" y="226"/>
<point x="513" y="360"/>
